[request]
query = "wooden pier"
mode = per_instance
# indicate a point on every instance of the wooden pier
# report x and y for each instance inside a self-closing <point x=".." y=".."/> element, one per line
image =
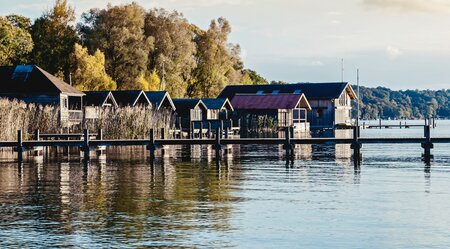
<point x="94" y="142"/>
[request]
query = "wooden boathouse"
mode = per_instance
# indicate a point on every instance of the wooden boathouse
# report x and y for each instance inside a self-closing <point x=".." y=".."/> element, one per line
<point x="32" y="84"/>
<point x="330" y="102"/>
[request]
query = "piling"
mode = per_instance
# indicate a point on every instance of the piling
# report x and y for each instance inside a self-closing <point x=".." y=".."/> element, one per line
<point x="200" y="134"/>
<point x="209" y="130"/>
<point x="427" y="145"/>
<point x="86" y="149"/>
<point x="19" y="147"/>
<point x="217" y="145"/>
<point x="356" y="145"/>
<point x="287" y="144"/>
<point x="151" y="147"/>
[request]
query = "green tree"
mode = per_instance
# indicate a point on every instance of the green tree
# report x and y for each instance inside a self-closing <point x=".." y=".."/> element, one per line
<point x="15" y="40"/>
<point x="217" y="60"/>
<point x="54" y="38"/>
<point x="254" y="77"/>
<point x="88" y="71"/>
<point x="118" y="31"/>
<point x="174" y="49"/>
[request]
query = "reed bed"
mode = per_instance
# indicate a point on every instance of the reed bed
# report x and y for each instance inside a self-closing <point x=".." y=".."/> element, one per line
<point x="131" y="122"/>
<point x="17" y="115"/>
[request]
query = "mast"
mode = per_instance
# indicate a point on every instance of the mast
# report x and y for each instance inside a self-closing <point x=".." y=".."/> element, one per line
<point x="358" y="100"/>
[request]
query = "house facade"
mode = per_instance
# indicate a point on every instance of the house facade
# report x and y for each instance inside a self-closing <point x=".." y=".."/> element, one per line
<point x="94" y="101"/>
<point x="330" y="102"/>
<point x="188" y="112"/>
<point x="218" y="109"/>
<point x="161" y="101"/>
<point x="131" y="98"/>
<point x="32" y="84"/>
<point x="283" y="110"/>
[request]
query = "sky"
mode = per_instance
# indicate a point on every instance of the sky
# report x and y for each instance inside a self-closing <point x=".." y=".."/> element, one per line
<point x="400" y="44"/>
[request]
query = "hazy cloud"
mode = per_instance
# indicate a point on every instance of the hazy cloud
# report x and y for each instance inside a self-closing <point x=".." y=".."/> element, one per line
<point x="411" y="5"/>
<point x="393" y="52"/>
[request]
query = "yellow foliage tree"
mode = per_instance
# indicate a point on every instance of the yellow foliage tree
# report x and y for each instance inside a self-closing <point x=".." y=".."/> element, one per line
<point x="88" y="73"/>
<point x="150" y="82"/>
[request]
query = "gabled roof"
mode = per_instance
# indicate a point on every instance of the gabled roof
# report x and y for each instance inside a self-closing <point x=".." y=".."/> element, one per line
<point x="157" y="98"/>
<point x="33" y="80"/>
<point x="269" y="101"/>
<point x="98" y="98"/>
<point x="128" y="97"/>
<point x="331" y="90"/>
<point x="218" y="103"/>
<point x="183" y="105"/>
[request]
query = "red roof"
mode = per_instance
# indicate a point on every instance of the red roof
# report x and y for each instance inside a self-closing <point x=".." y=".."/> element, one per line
<point x="269" y="101"/>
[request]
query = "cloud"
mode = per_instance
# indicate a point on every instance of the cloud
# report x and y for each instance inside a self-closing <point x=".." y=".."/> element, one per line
<point x="411" y="5"/>
<point x="317" y="64"/>
<point x="393" y="52"/>
<point x="335" y="22"/>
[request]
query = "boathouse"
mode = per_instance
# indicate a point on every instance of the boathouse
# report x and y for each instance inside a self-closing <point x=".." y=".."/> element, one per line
<point x="218" y="109"/>
<point x="284" y="110"/>
<point x="32" y="84"/>
<point x="96" y="100"/>
<point x="160" y="100"/>
<point x="330" y="102"/>
<point x="189" y="111"/>
<point x="131" y="98"/>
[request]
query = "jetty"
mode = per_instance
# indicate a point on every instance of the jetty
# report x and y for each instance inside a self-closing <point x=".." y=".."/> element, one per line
<point x="88" y="142"/>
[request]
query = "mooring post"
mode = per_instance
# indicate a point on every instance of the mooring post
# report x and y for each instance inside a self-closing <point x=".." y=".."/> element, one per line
<point x="163" y="133"/>
<point x="86" y="149"/>
<point x="434" y="123"/>
<point x="287" y="143"/>
<point x="37" y="135"/>
<point x="221" y="128"/>
<point x="100" y="134"/>
<point x="226" y="132"/>
<point x="379" y="123"/>
<point x="151" y="147"/>
<point x="400" y="124"/>
<point x="191" y="130"/>
<point x="356" y="145"/>
<point x="19" y="146"/>
<point x="217" y="145"/>
<point x="209" y="130"/>
<point x="200" y="134"/>
<point x="427" y="145"/>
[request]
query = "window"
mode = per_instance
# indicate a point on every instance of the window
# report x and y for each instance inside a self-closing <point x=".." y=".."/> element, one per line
<point x="297" y="91"/>
<point x="260" y="92"/>
<point x="196" y="114"/>
<point x="275" y="91"/>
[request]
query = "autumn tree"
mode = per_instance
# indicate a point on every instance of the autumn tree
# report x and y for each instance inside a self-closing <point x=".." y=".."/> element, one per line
<point x="88" y="71"/>
<point x="54" y="38"/>
<point x="218" y="61"/>
<point x="174" y="50"/>
<point x="118" y="31"/>
<point x="15" y="40"/>
<point x="251" y="77"/>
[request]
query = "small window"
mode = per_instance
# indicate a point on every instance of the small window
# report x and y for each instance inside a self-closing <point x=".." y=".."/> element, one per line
<point x="297" y="91"/>
<point x="260" y="92"/>
<point x="275" y="91"/>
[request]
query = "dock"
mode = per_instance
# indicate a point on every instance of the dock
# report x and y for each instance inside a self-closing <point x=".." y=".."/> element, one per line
<point x="87" y="142"/>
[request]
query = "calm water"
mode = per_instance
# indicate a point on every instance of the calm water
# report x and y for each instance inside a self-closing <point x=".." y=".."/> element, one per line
<point x="253" y="200"/>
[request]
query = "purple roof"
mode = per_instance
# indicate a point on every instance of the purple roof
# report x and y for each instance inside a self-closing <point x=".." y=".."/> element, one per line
<point x="268" y="101"/>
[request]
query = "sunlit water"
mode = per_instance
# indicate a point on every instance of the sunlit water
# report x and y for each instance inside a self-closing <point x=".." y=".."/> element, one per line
<point x="252" y="200"/>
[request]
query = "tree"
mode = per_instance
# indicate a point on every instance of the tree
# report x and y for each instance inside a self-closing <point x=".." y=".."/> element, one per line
<point x="15" y="40"/>
<point x="151" y="82"/>
<point x="174" y="49"/>
<point x="88" y="71"/>
<point x="118" y="32"/>
<point x="217" y="60"/>
<point x="54" y="38"/>
<point x="255" y="78"/>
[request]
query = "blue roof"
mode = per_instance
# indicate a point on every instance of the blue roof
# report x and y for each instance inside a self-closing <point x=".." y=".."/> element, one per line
<point x="157" y="98"/>
<point x="215" y="103"/>
<point x="127" y="97"/>
<point x="95" y="98"/>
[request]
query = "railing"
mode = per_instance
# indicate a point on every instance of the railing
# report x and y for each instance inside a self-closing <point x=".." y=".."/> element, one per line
<point x="75" y="115"/>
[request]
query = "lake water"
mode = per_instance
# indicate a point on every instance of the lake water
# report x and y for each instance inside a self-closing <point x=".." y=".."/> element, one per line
<point x="252" y="200"/>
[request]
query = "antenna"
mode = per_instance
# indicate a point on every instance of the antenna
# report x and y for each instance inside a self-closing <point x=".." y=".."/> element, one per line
<point x="358" y="100"/>
<point x="342" y="70"/>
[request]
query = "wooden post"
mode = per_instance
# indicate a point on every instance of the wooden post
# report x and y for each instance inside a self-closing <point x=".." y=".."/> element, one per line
<point x="217" y="145"/>
<point x="200" y="134"/>
<point x="400" y="124"/>
<point x="427" y="145"/>
<point x="364" y="125"/>
<point x="209" y="130"/>
<point x="356" y="145"/>
<point x="100" y="134"/>
<point x="152" y="146"/>
<point x="191" y="132"/>
<point x="379" y="125"/>
<point x="163" y="133"/>
<point x="287" y="143"/>
<point x="434" y="123"/>
<point x="221" y="128"/>
<point x="226" y="132"/>
<point x="19" y="146"/>
<point x="86" y="149"/>
<point x="37" y="135"/>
